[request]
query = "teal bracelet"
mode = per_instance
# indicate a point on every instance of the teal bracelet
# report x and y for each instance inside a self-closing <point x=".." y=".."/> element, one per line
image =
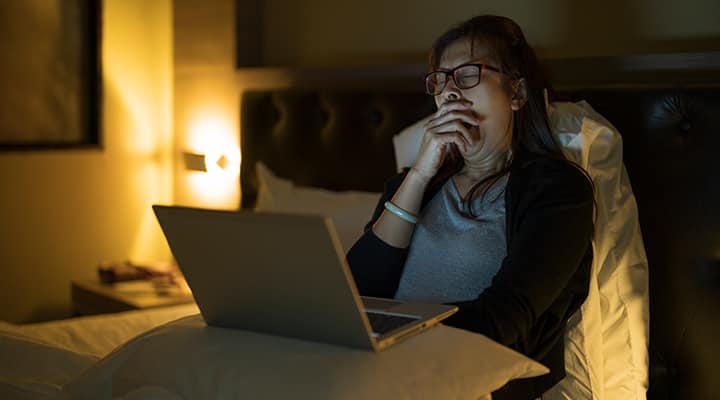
<point x="400" y="213"/>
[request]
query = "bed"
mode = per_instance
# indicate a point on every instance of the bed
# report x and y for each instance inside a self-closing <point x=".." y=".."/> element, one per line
<point x="332" y="135"/>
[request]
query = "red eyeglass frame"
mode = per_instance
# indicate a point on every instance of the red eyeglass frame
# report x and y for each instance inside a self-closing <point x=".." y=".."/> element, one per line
<point x="451" y="73"/>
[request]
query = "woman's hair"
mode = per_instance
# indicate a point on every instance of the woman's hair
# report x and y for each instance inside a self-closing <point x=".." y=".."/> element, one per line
<point x="516" y="59"/>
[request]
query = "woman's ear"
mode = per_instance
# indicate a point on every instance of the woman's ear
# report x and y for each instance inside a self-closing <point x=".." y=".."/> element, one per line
<point x="519" y="94"/>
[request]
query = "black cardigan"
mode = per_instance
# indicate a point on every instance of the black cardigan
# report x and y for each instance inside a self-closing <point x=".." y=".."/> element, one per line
<point x="542" y="281"/>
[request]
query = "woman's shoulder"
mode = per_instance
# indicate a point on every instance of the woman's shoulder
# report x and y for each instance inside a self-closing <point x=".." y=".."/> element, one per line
<point x="543" y="171"/>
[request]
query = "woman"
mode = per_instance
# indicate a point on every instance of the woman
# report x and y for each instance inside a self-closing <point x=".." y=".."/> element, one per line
<point x="491" y="217"/>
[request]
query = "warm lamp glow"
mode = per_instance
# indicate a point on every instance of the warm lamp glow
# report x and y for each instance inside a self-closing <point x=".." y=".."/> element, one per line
<point x="213" y="191"/>
<point x="217" y="163"/>
<point x="210" y="132"/>
<point x="213" y="147"/>
<point x="215" y="138"/>
<point x="225" y="162"/>
<point x="137" y="80"/>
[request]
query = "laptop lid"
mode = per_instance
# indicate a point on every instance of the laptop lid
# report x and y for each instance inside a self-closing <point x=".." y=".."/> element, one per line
<point x="273" y="273"/>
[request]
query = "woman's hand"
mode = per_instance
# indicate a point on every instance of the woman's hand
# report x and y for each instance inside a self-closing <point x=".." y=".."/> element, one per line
<point x="449" y="125"/>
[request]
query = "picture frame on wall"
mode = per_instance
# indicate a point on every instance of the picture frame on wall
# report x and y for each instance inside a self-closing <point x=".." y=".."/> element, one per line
<point x="50" y="74"/>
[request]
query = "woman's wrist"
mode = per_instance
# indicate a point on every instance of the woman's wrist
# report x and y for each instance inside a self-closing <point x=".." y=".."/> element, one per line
<point x="416" y="178"/>
<point x="396" y="224"/>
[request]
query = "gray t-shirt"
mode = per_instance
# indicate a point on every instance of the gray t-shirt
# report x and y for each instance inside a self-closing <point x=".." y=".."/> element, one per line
<point x="452" y="256"/>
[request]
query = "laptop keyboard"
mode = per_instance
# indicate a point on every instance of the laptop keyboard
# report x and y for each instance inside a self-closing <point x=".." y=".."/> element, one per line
<point x="384" y="323"/>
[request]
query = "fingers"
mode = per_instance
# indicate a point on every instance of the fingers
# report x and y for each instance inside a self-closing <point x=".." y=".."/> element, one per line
<point x="451" y="116"/>
<point x="433" y="148"/>
<point x="450" y="106"/>
<point x="451" y="132"/>
<point x="453" y="123"/>
<point x="454" y="117"/>
<point x="447" y="110"/>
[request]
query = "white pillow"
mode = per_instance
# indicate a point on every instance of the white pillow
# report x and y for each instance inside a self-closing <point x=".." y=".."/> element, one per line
<point x="349" y="210"/>
<point x="407" y="144"/>
<point x="98" y="335"/>
<point x="606" y="352"/>
<point x="31" y="369"/>
<point x="187" y="359"/>
<point x="607" y="339"/>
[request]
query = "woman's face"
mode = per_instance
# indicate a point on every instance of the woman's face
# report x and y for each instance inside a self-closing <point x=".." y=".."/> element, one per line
<point x="490" y="101"/>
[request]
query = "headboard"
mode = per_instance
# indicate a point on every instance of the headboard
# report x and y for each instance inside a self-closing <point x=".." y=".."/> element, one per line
<point x="336" y="132"/>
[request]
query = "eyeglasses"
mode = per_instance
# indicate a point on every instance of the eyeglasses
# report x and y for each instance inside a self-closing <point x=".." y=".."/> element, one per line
<point x="465" y="76"/>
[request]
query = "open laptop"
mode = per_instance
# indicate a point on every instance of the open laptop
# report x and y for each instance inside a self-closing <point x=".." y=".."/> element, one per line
<point x="283" y="274"/>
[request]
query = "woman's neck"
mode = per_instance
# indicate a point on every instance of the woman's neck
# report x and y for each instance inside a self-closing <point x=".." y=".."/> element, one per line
<point x="475" y="171"/>
<point x="480" y="168"/>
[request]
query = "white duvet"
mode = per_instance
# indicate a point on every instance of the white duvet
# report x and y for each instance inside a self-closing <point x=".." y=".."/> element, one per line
<point x="36" y="360"/>
<point x="190" y="360"/>
<point x="185" y="359"/>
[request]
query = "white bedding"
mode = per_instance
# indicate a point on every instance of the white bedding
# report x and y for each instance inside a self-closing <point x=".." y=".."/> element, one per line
<point x="38" y="359"/>
<point x="98" y="335"/>
<point x="80" y="358"/>
<point x="30" y="369"/>
<point x="187" y="359"/>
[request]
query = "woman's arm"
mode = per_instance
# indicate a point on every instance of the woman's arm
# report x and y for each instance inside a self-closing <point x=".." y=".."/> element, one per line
<point x="549" y="237"/>
<point x="447" y="127"/>
<point x="376" y="265"/>
<point x="392" y="229"/>
<point x="377" y="258"/>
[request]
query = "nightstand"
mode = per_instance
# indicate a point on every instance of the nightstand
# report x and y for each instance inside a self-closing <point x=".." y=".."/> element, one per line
<point x="93" y="297"/>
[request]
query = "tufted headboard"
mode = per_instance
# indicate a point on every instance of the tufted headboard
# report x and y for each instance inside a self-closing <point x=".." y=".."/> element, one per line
<point x="336" y="133"/>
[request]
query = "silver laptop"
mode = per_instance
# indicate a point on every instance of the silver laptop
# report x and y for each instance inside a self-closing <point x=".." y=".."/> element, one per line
<point x="285" y="275"/>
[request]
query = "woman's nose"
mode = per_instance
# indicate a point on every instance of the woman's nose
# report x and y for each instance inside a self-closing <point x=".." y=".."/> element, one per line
<point x="451" y="92"/>
<point x="452" y="96"/>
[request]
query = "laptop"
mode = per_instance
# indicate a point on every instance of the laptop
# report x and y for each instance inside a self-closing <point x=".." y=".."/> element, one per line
<point x="286" y="275"/>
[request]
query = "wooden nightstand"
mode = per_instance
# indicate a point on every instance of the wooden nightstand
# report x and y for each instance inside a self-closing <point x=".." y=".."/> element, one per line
<point x="93" y="297"/>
